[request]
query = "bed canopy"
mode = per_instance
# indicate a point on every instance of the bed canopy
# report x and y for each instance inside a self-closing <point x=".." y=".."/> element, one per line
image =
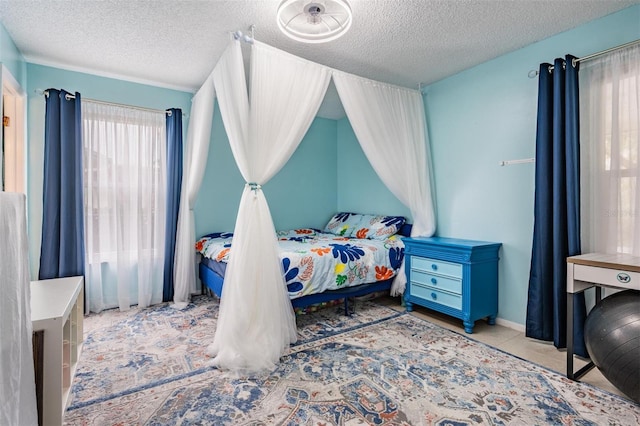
<point x="265" y="124"/>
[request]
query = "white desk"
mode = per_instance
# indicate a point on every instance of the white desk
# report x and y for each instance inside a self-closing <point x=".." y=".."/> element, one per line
<point x="596" y="270"/>
<point x="57" y="307"/>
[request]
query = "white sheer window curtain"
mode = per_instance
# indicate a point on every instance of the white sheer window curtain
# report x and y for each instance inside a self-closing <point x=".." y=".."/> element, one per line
<point x="610" y="149"/>
<point x="256" y="323"/>
<point x="390" y="125"/>
<point x="124" y="154"/>
<point x="198" y="137"/>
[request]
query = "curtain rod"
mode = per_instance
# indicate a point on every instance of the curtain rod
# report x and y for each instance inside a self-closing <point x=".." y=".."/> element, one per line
<point x="70" y="96"/>
<point x="533" y="73"/>
<point x="604" y="52"/>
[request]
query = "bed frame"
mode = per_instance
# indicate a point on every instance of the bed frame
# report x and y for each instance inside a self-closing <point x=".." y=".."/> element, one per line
<point x="214" y="281"/>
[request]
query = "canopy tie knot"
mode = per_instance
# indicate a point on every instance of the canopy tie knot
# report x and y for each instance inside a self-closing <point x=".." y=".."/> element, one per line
<point x="254" y="186"/>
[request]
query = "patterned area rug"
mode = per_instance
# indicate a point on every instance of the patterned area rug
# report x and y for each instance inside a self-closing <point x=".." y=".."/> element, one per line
<point x="148" y="367"/>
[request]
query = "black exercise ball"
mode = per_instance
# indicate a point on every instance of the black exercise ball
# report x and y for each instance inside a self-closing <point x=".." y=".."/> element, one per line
<point x="612" y="337"/>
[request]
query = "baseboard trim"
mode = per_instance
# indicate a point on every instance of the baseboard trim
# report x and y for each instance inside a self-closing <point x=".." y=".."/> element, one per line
<point x="510" y="324"/>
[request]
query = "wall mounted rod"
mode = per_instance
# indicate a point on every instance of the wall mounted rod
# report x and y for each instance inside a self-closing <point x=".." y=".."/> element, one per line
<point x="604" y="52"/>
<point x="533" y="73"/>
<point x="70" y="96"/>
<point x="521" y="161"/>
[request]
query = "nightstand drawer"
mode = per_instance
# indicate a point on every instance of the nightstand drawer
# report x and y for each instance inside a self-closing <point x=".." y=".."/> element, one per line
<point x="452" y="285"/>
<point x="436" y="296"/>
<point x="436" y="266"/>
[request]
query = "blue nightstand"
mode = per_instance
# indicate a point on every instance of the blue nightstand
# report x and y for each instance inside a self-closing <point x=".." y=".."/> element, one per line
<point x="453" y="276"/>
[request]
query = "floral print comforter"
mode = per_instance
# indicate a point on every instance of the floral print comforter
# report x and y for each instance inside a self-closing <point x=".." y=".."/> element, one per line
<point x="313" y="262"/>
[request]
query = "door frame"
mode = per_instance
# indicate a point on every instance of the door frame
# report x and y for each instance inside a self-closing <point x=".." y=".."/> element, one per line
<point x="14" y="166"/>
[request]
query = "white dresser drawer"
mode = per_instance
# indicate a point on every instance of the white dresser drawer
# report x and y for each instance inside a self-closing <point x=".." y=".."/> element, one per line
<point x="436" y="296"/>
<point x="436" y="266"/>
<point x="453" y="285"/>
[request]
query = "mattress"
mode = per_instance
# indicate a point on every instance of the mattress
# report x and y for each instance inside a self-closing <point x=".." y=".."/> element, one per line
<point x="314" y="262"/>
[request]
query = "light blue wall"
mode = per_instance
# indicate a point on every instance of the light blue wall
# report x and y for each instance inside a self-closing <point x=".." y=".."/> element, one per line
<point x="488" y="114"/>
<point x="476" y="119"/>
<point x="302" y="194"/>
<point x="360" y="190"/>
<point x="11" y="57"/>
<point x="89" y="86"/>
<point x="304" y="191"/>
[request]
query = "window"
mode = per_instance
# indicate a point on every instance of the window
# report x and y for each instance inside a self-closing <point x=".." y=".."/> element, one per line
<point x="610" y="145"/>
<point x="124" y="159"/>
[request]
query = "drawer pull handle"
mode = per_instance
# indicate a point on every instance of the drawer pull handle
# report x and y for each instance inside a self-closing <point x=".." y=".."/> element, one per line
<point x="434" y="296"/>
<point x="434" y="266"/>
<point x="624" y="278"/>
<point x="434" y="281"/>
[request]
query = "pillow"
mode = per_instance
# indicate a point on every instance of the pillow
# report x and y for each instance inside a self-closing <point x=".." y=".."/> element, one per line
<point x="343" y="224"/>
<point x="377" y="227"/>
<point x="296" y="234"/>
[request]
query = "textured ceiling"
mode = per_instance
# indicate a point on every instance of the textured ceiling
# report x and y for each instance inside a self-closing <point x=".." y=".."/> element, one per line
<point x="176" y="43"/>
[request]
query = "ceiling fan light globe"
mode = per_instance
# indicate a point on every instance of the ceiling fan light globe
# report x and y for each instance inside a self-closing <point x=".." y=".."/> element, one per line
<point x="314" y="22"/>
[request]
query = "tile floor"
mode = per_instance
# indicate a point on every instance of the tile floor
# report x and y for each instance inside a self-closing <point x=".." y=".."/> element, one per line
<point x="513" y="342"/>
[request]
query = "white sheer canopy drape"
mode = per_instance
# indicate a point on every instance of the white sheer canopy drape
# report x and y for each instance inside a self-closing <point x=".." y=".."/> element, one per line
<point x="256" y="322"/>
<point x="124" y="153"/>
<point x="198" y="137"/>
<point x="390" y="125"/>
<point x="17" y="379"/>
<point x="610" y="152"/>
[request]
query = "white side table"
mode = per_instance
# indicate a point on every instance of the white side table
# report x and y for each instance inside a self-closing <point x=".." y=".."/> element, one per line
<point x="597" y="270"/>
<point x="57" y="307"/>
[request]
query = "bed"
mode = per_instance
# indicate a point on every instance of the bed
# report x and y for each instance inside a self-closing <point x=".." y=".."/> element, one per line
<point x="353" y="255"/>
